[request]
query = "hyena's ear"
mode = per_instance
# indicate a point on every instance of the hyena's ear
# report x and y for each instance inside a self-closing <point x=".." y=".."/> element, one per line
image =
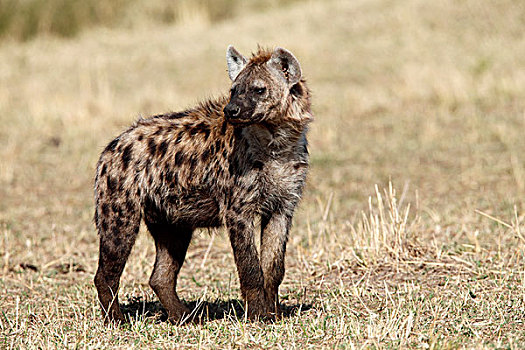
<point x="285" y="65"/>
<point x="236" y="62"/>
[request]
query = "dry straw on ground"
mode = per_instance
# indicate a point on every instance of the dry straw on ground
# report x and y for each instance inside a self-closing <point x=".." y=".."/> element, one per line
<point x="427" y="95"/>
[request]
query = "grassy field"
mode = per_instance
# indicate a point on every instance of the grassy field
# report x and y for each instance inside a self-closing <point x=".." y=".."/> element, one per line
<point x="411" y="232"/>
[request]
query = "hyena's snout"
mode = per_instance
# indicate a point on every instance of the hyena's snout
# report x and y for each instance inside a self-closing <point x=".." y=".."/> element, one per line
<point x="240" y="113"/>
<point x="232" y="111"/>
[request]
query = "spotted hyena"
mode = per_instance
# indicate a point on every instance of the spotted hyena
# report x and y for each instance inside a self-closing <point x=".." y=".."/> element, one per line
<point x="223" y="163"/>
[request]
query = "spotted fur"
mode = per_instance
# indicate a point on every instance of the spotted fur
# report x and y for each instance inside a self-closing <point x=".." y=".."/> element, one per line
<point x="223" y="163"/>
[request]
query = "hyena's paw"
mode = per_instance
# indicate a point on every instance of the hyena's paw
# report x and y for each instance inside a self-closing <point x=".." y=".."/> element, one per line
<point x="261" y="308"/>
<point x="115" y="317"/>
<point x="179" y="315"/>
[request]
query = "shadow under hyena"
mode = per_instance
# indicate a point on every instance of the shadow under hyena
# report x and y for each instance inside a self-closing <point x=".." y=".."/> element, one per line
<point x="202" y="311"/>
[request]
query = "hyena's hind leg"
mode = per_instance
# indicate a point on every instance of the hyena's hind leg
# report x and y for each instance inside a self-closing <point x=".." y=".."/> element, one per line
<point x="171" y="242"/>
<point x="118" y="226"/>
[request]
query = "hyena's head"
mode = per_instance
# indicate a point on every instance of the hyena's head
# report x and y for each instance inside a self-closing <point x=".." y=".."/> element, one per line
<point x="261" y="86"/>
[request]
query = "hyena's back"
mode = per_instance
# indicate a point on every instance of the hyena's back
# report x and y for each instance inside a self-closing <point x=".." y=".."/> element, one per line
<point x="164" y="166"/>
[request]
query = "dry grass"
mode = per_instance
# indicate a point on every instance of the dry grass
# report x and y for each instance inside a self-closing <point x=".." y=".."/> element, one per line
<point x="24" y="20"/>
<point x="426" y="100"/>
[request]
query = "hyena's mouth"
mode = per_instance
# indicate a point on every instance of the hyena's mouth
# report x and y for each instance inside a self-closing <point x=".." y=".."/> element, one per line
<point x="240" y="120"/>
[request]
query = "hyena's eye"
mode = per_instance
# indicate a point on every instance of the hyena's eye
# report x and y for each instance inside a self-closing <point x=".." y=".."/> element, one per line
<point x="259" y="90"/>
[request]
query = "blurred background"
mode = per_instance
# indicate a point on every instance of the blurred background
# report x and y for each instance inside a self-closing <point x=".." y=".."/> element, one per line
<point x="427" y="94"/>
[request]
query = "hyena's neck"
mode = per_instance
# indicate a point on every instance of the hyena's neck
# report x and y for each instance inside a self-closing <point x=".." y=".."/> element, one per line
<point x="268" y="141"/>
<point x="290" y="128"/>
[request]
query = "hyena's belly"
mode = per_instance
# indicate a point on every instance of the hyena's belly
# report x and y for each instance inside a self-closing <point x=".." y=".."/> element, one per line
<point x="189" y="209"/>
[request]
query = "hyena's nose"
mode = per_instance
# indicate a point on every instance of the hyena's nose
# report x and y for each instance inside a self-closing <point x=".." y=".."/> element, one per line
<point x="231" y="111"/>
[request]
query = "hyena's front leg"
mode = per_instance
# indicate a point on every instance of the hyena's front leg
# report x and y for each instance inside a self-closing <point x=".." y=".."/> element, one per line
<point x="274" y="235"/>
<point x="257" y="302"/>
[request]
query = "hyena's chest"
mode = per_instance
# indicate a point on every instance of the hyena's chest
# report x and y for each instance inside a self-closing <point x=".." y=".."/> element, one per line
<point x="280" y="185"/>
<point x="277" y="174"/>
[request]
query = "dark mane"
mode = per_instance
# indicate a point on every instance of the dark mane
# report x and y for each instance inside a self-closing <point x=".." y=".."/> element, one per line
<point x="261" y="56"/>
